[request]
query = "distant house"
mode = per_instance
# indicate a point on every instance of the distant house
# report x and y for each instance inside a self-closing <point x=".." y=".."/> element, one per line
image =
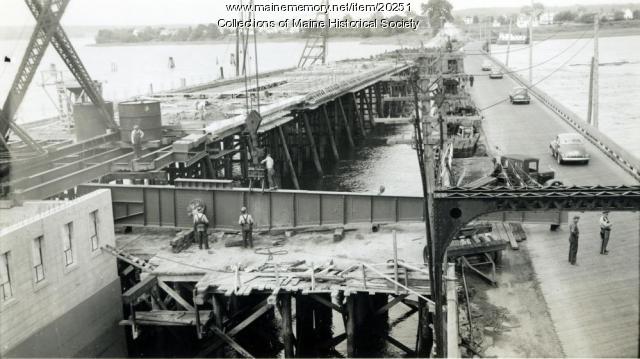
<point x="468" y="20"/>
<point x="523" y="21"/>
<point x="628" y="14"/>
<point x="168" y="32"/>
<point x="546" y="18"/>
<point x="496" y="23"/>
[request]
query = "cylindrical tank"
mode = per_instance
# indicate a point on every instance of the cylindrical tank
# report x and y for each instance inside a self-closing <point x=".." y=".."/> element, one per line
<point x="145" y="114"/>
<point x="88" y="121"/>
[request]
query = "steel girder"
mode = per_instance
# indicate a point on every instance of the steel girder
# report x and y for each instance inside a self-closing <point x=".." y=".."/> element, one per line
<point x="47" y="22"/>
<point x="453" y="208"/>
<point x="63" y="46"/>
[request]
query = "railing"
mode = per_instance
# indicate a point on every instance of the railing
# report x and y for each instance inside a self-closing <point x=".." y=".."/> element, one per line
<point x="614" y="151"/>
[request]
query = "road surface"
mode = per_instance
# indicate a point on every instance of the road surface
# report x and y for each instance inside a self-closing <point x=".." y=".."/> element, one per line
<point x="593" y="306"/>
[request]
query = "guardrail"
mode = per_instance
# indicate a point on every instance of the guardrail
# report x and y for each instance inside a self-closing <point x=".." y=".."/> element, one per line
<point x="619" y="155"/>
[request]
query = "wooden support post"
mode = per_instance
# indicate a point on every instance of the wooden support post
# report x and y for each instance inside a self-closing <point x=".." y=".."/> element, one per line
<point x="285" y="148"/>
<point x="312" y="143"/>
<point x="244" y="158"/>
<point x="424" y="339"/>
<point x="228" y="166"/>
<point x="287" y="329"/>
<point x="322" y="319"/>
<point x="351" y="327"/>
<point x="379" y="110"/>
<point x="346" y="123"/>
<point x="395" y="260"/>
<point x="227" y="339"/>
<point x="304" y="326"/>
<point x="218" y="313"/>
<point x="332" y="140"/>
<point x="359" y="114"/>
<point x="368" y="101"/>
<point x="175" y="296"/>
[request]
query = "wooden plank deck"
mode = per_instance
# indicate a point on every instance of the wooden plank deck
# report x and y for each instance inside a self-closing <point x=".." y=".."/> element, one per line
<point x="594" y="306"/>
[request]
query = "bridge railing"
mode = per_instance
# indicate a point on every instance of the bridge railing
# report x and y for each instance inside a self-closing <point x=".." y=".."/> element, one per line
<point x="621" y="156"/>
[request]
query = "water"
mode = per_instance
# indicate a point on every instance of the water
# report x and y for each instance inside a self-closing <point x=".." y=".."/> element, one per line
<point x="619" y="77"/>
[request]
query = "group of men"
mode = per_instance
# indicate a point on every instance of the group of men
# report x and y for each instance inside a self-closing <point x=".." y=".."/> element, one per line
<point x="574" y="234"/>
<point x="201" y="226"/>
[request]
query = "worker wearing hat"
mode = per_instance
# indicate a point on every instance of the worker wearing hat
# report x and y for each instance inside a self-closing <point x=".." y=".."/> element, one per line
<point x="573" y="240"/>
<point x="246" y="225"/>
<point x="605" y="231"/>
<point x="136" y="140"/>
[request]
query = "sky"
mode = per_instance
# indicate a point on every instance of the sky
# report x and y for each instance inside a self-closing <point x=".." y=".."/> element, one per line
<point x="157" y="12"/>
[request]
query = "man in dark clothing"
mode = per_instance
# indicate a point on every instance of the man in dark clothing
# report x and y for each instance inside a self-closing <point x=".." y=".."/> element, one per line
<point x="201" y="224"/>
<point x="471" y="80"/>
<point x="573" y="240"/>
<point x="246" y="224"/>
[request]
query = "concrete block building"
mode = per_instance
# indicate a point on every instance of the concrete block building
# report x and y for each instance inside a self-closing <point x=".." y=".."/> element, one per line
<point x="59" y="293"/>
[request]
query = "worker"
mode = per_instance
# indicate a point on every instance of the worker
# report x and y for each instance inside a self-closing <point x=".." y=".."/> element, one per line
<point x="246" y="225"/>
<point x="201" y="225"/>
<point x="268" y="162"/>
<point x="605" y="231"/>
<point x="470" y="80"/>
<point x="136" y="140"/>
<point x="574" y="232"/>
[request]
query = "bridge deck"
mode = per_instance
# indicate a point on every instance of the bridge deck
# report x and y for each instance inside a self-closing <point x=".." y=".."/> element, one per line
<point x="594" y="307"/>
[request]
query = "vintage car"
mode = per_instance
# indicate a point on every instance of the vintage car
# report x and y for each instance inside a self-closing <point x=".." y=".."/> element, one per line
<point x="486" y="65"/>
<point x="569" y="147"/>
<point x="519" y="95"/>
<point x="496" y="73"/>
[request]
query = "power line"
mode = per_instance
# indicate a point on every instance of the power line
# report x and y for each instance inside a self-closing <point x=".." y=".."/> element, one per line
<point x="542" y="79"/>
<point x="540" y="63"/>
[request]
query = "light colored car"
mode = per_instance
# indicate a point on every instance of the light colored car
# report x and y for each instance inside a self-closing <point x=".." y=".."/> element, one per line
<point x="486" y="65"/>
<point x="496" y="73"/>
<point x="519" y="95"/>
<point x="569" y="147"/>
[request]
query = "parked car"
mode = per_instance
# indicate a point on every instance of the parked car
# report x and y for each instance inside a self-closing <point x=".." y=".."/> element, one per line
<point x="519" y="95"/>
<point x="496" y="73"/>
<point x="486" y="65"/>
<point x="569" y="147"/>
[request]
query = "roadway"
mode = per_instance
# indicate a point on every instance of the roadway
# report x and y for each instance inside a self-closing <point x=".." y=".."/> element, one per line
<point x="593" y="306"/>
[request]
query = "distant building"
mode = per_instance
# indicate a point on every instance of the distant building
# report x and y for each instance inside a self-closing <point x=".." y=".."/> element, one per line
<point x="523" y="21"/>
<point x="546" y="18"/>
<point x="608" y="16"/>
<point x="468" y="20"/>
<point x="496" y="23"/>
<point x="628" y="14"/>
<point x="60" y="294"/>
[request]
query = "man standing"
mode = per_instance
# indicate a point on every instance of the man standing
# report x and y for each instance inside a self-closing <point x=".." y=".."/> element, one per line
<point x="201" y="224"/>
<point x="573" y="240"/>
<point x="268" y="162"/>
<point x="471" y="80"/>
<point x="246" y="225"/>
<point x="136" y="140"/>
<point x="605" y="230"/>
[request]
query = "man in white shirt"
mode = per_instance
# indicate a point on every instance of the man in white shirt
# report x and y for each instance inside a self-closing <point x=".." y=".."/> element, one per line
<point x="605" y="231"/>
<point x="201" y="225"/>
<point x="268" y="162"/>
<point x="136" y="140"/>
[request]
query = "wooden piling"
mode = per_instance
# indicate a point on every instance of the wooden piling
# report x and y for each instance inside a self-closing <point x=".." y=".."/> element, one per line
<point x="287" y="328"/>
<point x="285" y="148"/>
<point x="304" y="326"/>
<point x="359" y="115"/>
<point x="332" y="140"/>
<point x="346" y="123"/>
<point x="351" y="327"/>
<point x="424" y="340"/>
<point x="312" y="144"/>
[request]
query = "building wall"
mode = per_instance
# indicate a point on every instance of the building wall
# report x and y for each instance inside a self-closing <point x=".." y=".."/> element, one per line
<point x="56" y="309"/>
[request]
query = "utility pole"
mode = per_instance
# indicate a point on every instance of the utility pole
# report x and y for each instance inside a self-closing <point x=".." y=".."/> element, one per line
<point x="531" y="46"/>
<point x="237" y="59"/>
<point x="508" y="44"/>
<point x="595" y="63"/>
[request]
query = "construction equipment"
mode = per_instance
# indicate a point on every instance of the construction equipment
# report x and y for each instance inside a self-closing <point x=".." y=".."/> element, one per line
<point x="524" y="171"/>
<point x="255" y="172"/>
<point x="316" y="46"/>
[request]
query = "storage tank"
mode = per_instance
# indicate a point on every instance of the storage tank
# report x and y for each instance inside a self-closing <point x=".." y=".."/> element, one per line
<point x="88" y="121"/>
<point x="146" y="114"/>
